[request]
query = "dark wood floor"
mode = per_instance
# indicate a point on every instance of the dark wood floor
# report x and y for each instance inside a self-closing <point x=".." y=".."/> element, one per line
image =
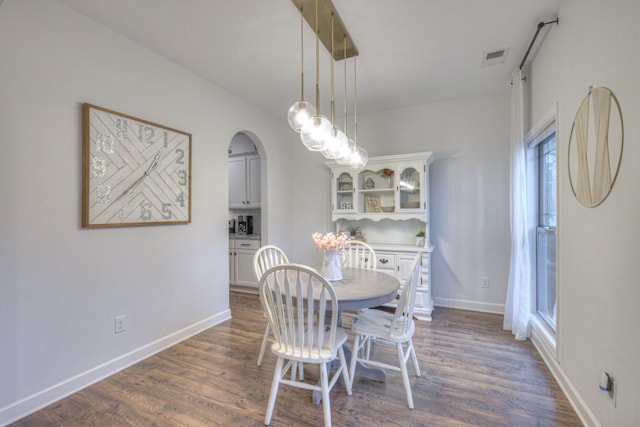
<point x="473" y="374"/>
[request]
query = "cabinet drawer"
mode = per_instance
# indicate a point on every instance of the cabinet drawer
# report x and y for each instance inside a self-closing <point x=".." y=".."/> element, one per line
<point x="246" y="244"/>
<point x="386" y="261"/>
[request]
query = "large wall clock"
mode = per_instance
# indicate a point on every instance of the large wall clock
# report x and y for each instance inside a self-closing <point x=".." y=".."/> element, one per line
<point x="134" y="172"/>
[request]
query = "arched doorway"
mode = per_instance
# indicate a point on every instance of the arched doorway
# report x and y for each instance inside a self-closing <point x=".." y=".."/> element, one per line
<point x="247" y="168"/>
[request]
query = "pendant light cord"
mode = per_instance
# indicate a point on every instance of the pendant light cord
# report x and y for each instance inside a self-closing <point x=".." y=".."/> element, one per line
<point x="333" y="102"/>
<point x="355" y="103"/>
<point x="317" y="63"/>
<point x="345" y="83"/>
<point x="301" y="54"/>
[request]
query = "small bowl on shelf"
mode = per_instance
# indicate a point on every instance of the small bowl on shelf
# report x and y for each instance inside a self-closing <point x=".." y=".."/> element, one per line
<point x="387" y="209"/>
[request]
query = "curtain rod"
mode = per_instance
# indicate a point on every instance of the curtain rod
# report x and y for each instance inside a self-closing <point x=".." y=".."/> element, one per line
<point x="541" y="25"/>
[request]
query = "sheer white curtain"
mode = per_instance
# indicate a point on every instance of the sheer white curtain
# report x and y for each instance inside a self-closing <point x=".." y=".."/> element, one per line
<point x="518" y="305"/>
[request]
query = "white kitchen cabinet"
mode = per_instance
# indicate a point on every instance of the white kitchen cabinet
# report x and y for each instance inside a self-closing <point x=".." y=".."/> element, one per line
<point x="389" y="201"/>
<point x="244" y="181"/>
<point x="241" y="252"/>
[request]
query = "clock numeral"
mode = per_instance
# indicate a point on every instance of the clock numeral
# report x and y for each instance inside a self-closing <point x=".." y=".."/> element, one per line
<point x="123" y="205"/>
<point x="98" y="166"/>
<point x="180" y="152"/>
<point x="145" y="210"/>
<point x="180" y="199"/>
<point x="105" y="143"/>
<point x="183" y="177"/>
<point x="166" y="212"/>
<point x="103" y="194"/>
<point x="122" y="126"/>
<point x="146" y="134"/>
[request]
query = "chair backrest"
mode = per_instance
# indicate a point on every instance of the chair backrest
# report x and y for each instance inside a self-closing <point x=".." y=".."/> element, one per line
<point x="267" y="257"/>
<point x="360" y="255"/>
<point x="402" y="317"/>
<point x="296" y="299"/>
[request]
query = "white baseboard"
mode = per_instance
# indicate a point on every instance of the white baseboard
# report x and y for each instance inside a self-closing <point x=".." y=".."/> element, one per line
<point x="39" y="400"/>
<point x="547" y="351"/>
<point x="485" y="307"/>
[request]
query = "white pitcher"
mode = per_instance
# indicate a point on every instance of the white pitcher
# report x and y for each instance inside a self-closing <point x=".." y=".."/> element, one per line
<point x="332" y="264"/>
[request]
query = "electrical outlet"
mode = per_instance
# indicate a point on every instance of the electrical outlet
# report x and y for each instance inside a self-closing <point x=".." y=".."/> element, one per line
<point x="484" y="282"/>
<point x="119" y="325"/>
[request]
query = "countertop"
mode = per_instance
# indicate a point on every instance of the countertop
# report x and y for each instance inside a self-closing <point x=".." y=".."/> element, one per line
<point x="244" y="236"/>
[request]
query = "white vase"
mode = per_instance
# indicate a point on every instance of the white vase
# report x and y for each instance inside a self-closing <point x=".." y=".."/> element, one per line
<point x="332" y="265"/>
<point x="420" y="241"/>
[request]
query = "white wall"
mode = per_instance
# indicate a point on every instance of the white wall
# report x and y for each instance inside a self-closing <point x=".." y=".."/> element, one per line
<point x="60" y="285"/>
<point x="597" y="44"/>
<point x="469" y="184"/>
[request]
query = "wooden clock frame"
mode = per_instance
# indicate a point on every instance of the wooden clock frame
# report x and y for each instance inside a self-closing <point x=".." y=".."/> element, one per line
<point x="134" y="172"/>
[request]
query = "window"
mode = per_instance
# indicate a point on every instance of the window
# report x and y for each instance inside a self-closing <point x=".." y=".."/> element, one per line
<point x="545" y="259"/>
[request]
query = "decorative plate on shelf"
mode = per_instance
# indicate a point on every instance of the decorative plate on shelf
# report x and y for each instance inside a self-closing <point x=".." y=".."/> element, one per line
<point x="369" y="184"/>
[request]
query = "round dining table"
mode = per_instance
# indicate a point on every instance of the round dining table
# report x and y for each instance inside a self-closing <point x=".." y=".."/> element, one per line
<point x="362" y="288"/>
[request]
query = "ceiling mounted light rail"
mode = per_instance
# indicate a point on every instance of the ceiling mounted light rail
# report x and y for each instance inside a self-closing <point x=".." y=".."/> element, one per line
<point x="344" y="49"/>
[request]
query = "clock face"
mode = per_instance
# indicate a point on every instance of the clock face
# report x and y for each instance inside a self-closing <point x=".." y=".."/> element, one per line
<point x="134" y="172"/>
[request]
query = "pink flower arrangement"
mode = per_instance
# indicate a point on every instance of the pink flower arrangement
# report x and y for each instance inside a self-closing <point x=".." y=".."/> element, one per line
<point x="330" y="241"/>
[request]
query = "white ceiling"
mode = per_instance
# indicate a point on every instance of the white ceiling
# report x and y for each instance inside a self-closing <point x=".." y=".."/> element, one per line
<point x="412" y="52"/>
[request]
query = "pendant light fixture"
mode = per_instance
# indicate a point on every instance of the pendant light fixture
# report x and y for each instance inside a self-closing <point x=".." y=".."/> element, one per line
<point x="344" y="156"/>
<point x="315" y="131"/>
<point x="336" y="139"/>
<point x="359" y="156"/>
<point x="300" y="111"/>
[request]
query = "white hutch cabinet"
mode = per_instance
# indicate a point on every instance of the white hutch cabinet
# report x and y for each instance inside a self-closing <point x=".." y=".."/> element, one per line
<point x="389" y="201"/>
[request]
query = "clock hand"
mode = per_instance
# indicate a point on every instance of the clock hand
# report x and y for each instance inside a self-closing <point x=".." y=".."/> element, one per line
<point x="151" y="167"/>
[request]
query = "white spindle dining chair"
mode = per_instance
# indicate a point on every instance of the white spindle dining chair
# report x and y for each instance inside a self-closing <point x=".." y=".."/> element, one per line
<point x="360" y="255"/>
<point x="265" y="258"/>
<point x="397" y="328"/>
<point x="302" y="309"/>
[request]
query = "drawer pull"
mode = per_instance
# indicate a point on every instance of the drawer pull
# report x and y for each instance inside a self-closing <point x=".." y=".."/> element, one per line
<point x="383" y="260"/>
<point x="245" y="244"/>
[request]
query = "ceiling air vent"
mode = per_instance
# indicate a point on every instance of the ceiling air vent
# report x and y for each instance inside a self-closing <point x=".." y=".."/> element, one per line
<point x="495" y="57"/>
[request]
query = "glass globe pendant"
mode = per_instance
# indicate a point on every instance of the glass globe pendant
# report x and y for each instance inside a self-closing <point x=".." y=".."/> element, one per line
<point x="359" y="158"/>
<point x="315" y="132"/>
<point x="335" y="144"/>
<point x="336" y="139"/>
<point x="300" y="113"/>
<point x="344" y="156"/>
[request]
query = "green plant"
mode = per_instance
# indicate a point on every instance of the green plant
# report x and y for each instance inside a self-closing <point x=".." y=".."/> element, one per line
<point x="421" y="233"/>
<point x="353" y="230"/>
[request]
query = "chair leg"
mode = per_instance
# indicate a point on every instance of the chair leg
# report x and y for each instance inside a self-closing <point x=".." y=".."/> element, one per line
<point x="345" y="371"/>
<point x="277" y="374"/>
<point x="414" y="357"/>
<point x="326" y="405"/>
<point x="405" y="375"/>
<point x="354" y="358"/>
<point x="263" y="347"/>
